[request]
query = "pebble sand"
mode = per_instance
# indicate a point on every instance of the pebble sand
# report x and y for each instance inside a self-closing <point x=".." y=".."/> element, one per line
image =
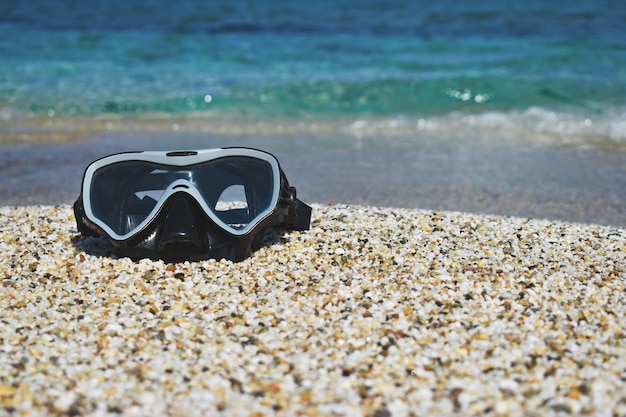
<point x="373" y="312"/>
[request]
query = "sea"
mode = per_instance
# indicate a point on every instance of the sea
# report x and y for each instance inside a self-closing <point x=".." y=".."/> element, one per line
<point x="498" y="106"/>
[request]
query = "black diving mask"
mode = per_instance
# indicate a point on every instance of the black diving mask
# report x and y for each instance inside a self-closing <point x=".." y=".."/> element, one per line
<point x="187" y="205"/>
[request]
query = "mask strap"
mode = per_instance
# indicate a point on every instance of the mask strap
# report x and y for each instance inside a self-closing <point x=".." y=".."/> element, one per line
<point x="81" y="223"/>
<point x="303" y="215"/>
<point x="298" y="215"/>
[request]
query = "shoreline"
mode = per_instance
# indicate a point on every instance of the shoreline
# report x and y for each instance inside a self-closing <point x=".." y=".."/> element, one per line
<point x="371" y="312"/>
<point x="458" y="173"/>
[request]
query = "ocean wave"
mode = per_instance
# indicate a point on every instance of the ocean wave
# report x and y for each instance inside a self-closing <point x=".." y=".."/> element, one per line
<point x="534" y="125"/>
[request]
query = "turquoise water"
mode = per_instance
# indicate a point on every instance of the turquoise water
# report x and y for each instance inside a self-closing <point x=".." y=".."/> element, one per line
<point x="534" y="67"/>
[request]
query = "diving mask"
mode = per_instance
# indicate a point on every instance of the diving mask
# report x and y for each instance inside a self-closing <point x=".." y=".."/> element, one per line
<point x="187" y="205"/>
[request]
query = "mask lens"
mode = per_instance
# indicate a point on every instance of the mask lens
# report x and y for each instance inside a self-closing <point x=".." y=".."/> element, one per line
<point x="236" y="189"/>
<point x="122" y="195"/>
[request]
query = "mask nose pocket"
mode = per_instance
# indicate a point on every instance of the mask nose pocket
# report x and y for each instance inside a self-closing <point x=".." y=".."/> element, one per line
<point x="180" y="228"/>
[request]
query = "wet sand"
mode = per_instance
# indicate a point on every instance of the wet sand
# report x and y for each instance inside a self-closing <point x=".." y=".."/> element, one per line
<point x="553" y="181"/>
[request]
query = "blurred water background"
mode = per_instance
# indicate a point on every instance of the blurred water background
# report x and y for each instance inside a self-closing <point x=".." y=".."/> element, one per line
<point x="499" y="106"/>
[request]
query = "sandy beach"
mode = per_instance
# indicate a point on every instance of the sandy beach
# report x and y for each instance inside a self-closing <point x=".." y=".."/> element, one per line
<point x="373" y="312"/>
<point x="466" y="165"/>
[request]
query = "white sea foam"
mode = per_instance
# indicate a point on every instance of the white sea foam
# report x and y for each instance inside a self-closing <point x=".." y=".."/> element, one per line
<point x="531" y="125"/>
